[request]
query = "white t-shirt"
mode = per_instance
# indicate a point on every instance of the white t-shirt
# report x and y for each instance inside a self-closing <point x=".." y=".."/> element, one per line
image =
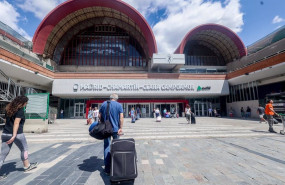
<point x="187" y="111"/>
<point x="95" y="113"/>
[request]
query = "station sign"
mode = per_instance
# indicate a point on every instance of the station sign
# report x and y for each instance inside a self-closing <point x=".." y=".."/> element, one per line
<point x="138" y="87"/>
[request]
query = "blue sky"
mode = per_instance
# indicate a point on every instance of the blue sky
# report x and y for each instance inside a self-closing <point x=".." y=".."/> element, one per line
<point x="170" y="20"/>
<point x="258" y="18"/>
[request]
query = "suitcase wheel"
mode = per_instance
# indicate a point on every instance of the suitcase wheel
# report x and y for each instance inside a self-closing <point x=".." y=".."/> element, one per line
<point x="128" y="182"/>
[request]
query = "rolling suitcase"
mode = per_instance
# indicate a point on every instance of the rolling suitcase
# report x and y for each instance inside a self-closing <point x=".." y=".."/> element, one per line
<point x="193" y="119"/>
<point x="123" y="161"/>
<point x="158" y="119"/>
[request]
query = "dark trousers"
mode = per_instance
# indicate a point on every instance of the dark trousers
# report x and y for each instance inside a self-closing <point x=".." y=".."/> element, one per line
<point x="107" y="154"/>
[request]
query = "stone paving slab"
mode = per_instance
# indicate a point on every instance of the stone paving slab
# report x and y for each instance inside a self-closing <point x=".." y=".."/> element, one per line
<point x="250" y="159"/>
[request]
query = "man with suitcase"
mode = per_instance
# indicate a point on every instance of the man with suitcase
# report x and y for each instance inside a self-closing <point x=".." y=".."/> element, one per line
<point x="117" y="120"/>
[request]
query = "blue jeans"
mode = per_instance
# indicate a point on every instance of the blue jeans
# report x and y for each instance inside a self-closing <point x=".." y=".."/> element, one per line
<point x="107" y="154"/>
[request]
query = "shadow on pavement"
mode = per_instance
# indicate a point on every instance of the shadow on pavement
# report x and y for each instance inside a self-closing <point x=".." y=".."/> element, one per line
<point x="267" y="132"/>
<point x="8" y="168"/>
<point x="95" y="164"/>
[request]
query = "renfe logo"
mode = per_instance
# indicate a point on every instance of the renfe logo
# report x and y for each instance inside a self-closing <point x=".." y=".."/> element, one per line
<point x="203" y="88"/>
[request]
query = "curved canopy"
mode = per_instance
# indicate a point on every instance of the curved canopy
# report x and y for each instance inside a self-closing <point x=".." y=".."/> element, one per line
<point x="71" y="13"/>
<point x="277" y="35"/>
<point x="219" y="39"/>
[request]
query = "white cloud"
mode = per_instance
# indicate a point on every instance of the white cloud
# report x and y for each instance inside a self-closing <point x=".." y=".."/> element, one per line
<point x="11" y="17"/>
<point x="184" y="15"/>
<point x="40" y="8"/>
<point x="277" y="19"/>
<point x="180" y="16"/>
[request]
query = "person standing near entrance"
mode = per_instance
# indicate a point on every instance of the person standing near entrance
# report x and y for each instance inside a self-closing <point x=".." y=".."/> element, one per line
<point x="95" y="114"/>
<point x="164" y="112"/>
<point x="61" y="114"/>
<point x="242" y="112"/>
<point x="13" y="132"/>
<point x="269" y="111"/>
<point x="173" y="112"/>
<point x="248" y="112"/>
<point x="138" y="113"/>
<point x="90" y="116"/>
<point x="188" y="113"/>
<point x="117" y="120"/>
<point x="133" y="115"/>
<point x="260" y="112"/>
<point x="157" y="112"/>
<point x="210" y="112"/>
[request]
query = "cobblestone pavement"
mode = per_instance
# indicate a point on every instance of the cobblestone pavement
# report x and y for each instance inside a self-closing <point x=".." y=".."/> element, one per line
<point x="214" y="151"/>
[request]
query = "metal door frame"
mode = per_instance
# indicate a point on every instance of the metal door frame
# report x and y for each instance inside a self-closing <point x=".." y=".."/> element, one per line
<point x="80" y="111"/>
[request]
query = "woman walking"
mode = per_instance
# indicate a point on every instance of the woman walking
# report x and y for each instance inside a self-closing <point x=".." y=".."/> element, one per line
<point x="13" y="132"/>
<point x="188" y="113"/>
<point x="90" y="116"/>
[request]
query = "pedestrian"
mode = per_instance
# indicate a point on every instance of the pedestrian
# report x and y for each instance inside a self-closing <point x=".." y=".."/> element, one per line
<point x="157" y="112"/>
<point x="248" y="112"/>
<point x="117" y="119"/>
<point x="90" y="116"/>
<point x="153" y="113"/>
<point x="188" y="113"/>
<point x="269" y="111"/>
<point x="96" y="114"/>
<point x="215" y="112"/>
<point x="13" y="132"/>
<point x="242" y="112"/>
<point x="133" y="115"/>
<point x="164" y="112"/>
<point x="173" y="112"/>
<point x="260" y="112"/>
<point x="138" y="113"/>
<point x="231" y="112"/>
<point x="61" y="114"/>
<point x="210" y="112"/>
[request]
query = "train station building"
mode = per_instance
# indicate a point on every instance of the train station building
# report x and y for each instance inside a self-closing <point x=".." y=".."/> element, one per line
<point x="83" y="51"/>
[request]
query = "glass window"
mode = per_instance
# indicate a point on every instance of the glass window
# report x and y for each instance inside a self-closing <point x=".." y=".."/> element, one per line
<point x="102" y="46"/>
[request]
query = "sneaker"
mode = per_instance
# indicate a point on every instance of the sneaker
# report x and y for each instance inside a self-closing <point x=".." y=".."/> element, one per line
<point x="32" y="166"/>
<point x="272" y="131"/>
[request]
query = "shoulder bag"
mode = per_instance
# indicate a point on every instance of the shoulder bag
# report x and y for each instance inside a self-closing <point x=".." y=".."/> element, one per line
<point x="104" y="129"/>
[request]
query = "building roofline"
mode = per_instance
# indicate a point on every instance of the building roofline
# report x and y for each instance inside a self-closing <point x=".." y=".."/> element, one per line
<point x="61" y="11"/>
<point x="228" y="32"/>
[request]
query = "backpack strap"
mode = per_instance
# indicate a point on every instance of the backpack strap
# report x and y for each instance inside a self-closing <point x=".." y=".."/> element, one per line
<point x="108" y="110"/>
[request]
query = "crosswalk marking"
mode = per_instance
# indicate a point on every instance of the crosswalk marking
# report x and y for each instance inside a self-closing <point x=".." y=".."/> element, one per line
<point x="144" y="129"/>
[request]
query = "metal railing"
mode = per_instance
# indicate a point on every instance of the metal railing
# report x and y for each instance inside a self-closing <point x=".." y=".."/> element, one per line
<point x="14" y="36"/>
<point x="8" y="89"/>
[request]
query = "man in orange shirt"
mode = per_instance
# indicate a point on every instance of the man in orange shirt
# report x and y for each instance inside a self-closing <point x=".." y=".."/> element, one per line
<point x="269" y="111"/>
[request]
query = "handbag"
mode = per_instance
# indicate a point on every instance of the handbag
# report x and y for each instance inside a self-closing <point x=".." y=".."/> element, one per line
<point x="104" y="129"/>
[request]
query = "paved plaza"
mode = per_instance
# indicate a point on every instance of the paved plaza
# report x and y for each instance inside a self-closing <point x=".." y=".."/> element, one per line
<point x="214" y="151"/>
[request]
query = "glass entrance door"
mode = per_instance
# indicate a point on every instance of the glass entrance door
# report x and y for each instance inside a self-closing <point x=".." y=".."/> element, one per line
<point x="201" y="108"/>
<point x="79" y="110"/>
<point x="145" y="112"/>
<point x="168" y="107"/>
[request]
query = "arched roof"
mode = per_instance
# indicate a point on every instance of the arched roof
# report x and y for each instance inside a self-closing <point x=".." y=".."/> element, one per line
<point x="217" y="36"/>
<point x="72" y="12"/>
